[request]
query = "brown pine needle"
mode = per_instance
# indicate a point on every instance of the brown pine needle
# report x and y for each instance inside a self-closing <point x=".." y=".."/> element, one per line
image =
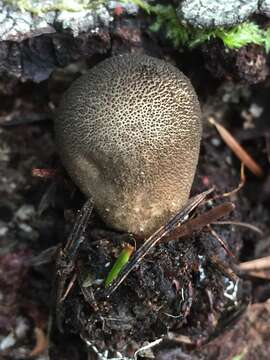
<point x="256" y="264"/>
<point x="223" y="268"/>
<point x="45" y="173"/>
<point x="234" y="191"/>
<point x="261" y="274"/>
<point x="221" y="241"/>
<point x="199" y="222"/>
<point x="239" y="223"/>
<point x="179" y="219"/>
<point x="41" y="343"/>
<point x="237" y="149"/>
<point x="70" y="286"/>
<point x="183" y="339"/>
<point x="241" y="183"/>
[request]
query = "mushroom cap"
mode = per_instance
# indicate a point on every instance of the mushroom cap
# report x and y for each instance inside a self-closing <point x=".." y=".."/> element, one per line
<point x="129" y="133"/>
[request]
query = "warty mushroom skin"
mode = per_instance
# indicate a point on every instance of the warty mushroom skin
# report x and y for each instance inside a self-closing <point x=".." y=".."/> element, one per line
<point x="128" y="132"/>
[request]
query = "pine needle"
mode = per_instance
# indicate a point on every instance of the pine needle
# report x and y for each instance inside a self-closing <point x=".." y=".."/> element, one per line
<point x="237" y="149"/>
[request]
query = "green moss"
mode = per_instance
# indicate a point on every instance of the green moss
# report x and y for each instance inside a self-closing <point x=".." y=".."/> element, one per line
<point x="165" y="18"/>
<point x="241" y="35"/>
<point x="267" y="40"/>
<point x="239" y="357"/>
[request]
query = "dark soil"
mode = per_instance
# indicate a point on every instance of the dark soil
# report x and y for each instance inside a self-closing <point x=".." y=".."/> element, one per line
<point x="183" y="291"/>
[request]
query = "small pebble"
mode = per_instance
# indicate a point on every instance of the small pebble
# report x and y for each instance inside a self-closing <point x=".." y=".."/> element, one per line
<point x="25" y="212"/>
<point x="7" y="342"/>
<point x="3" y="229"/>
<point x="215" y="142"/>
<point x="256" y="110"/>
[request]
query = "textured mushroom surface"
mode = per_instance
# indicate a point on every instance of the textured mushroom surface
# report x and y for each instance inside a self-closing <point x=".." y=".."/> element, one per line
<point x="129" y="133"/>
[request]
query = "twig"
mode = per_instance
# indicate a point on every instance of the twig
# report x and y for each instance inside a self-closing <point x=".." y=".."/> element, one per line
<point x="240" y="185"/>
<point x="69" y="287"/>
<point x="239" y="223"/>
<point x="234" y="191"/>
<point x="78" y="230"/>
<point x="260" y="274"/>
<point x="47" y="199"/>
<point x="256" y="264"/>
<point x="67" y="256"/>
<point x="237" y="149"/>
<point x="223" y="268"/>
<point x="18" y="118"/>
<point x="183" y="339"/>
<point x="200" y="221"/>
<point x="45" y="173"/>
<point x="41" y="343"/>
<point x="222" y="243"/>
<point x="147" y="347"/>
<point x="179" y="218"/>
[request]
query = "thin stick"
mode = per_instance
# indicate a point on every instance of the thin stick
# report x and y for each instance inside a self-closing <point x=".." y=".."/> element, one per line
<point x="183" y="339"/>
<point x="80" y="225"/>
<point x="222" y="243"/>
<point x="260" y="274"/>
<point x="223" y="268"/>
<point x="67" y="256"/>
<point x="69" y="287"/>
<point x="241" y="183"/>
<point x="239" y="186"/>
<point x="179" y="218"/>
<point x="237" y="149"/>
<point x="45" y="173"/>
<point x="41" y="343"/>
<point x="256" y="264"/>
<point x="200" y="221"/>
<point x="239" y="223"/>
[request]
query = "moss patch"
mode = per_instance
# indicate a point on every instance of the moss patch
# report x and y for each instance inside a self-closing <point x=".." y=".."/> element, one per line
<point x="180" y="34"/>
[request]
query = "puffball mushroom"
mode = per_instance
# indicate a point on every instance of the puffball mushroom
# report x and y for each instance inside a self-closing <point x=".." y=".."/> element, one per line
<point x="128" y="133"/>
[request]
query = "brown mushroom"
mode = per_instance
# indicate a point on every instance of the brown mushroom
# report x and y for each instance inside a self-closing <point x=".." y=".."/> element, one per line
<point x="129" y="133"/>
